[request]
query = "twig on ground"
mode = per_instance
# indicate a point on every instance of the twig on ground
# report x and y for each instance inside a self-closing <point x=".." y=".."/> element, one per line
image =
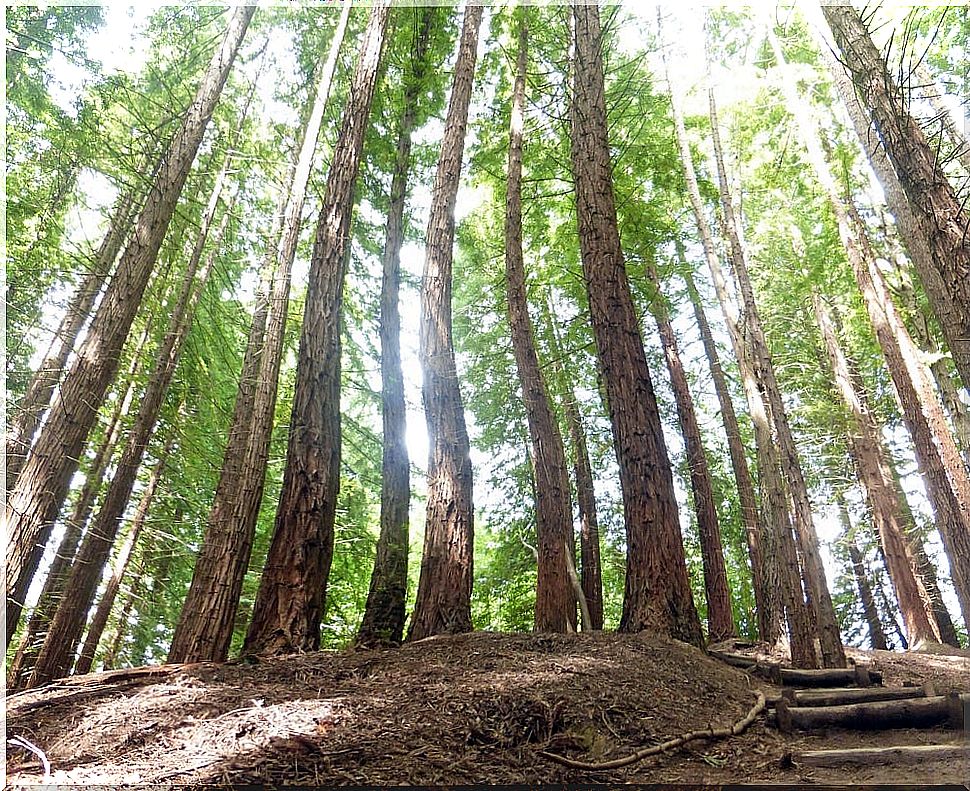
<point x="20" y="741"/>
<point x="710" y="733"/>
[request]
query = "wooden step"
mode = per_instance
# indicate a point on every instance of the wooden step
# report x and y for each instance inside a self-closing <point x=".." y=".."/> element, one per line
<point x="879" y="756"/>
<point x="859" y="675"/>
<point x="841" y="696"/>
<point x="921" y="712"/>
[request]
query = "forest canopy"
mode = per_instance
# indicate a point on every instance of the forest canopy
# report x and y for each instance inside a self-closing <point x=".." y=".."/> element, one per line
<point x="360" y="323"/>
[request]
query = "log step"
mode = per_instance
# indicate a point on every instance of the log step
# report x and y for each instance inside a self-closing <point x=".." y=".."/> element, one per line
<point x="846" y="695"/>
<point x="859" y="674"/>
<point x="878" y="756"/>
<point x="876" y="715"/>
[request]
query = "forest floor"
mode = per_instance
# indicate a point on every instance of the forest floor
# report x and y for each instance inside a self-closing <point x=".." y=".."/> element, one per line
<point x="468" y="709"/>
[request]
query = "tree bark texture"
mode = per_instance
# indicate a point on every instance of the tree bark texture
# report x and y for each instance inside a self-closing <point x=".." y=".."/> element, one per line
<point x="871" y="459"/>
<point x="591" y="575"/>
<point x="750" y="516"/>
<point x="657" y="593"/>
<point x="780" y="560"/>
<point x="100" y="618"/>
<point x="936" y="209"/>
<point x="555" y="609"/>
<point x="42" y="485"/>
<point x="57" y="653"/>
<point x="384" y="613"/>
<point x="833" y="654"/>
<point x="289" y="604"/>
<point x="205" y="627"/>
<point x="720" y="619"/>
<point x="75" y="526"/>
<point x="31" y="409"/>
<point x="443" y="603"/>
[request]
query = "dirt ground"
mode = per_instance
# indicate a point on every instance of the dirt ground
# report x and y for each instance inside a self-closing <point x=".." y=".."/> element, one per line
<point x="468" y="709"/>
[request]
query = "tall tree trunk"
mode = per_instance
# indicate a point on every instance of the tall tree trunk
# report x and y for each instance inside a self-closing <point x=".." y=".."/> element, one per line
<point x="833" y="654"/>
<point x="57" y="653"/>
<point x="555" y="609"/>
<point x="31" y="409"/>
<point x="591" y="580"/>
<point x="933" y="92"/>
<point x="871" y="460"/>
<point x="292" y="591"/>
<point x="720" y="619"/>
<point x="443" y="601"/>
<point x="111" y="654"/>
<point x="100" y="619"/>
<point x="780" y="568"/>
<point x="384" y="613"/>
<point x="877" y="635"/>
<point x="43" y="483"/>
<point x="750" y="516"/>
<point x="657" y="593"/>
<point x="935" y="206"/>
<point x="205" y="626"/>
<point x="74" y="528"/>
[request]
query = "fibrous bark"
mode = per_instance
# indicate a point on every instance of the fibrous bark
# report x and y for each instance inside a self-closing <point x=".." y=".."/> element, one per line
<point x="42" y="485"/>
<point x="205" y="626"/>
<point x="555" y="609"/>
<point x="443" y="603"/>
<point x="657" y="592"/>
<point x="384" y="613"/>
<point x="720" y="619"/>
<point x="289" y="604"/>
<point x="939" y="217"/>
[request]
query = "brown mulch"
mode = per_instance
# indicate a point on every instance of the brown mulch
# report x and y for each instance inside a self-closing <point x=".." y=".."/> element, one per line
<point x="466" y="709"/>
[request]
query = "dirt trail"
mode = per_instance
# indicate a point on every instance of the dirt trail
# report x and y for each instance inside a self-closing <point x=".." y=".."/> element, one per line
<point x="474" y="708"/>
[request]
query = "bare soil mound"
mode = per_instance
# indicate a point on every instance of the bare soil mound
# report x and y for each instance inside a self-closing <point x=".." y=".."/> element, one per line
<point x="466" y="709"/>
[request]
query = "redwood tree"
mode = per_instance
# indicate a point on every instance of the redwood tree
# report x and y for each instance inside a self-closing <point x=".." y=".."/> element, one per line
<point x="42" y="485"/>
<point x="443" y="603"/>
<point x="657" y="592"/>
<point x="292" y="590"/>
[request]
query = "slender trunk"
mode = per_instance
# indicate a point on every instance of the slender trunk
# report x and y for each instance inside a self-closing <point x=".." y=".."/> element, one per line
<point x="292" y="591"/>
<point x="113" y="651"/>
<point x="875" y="476"/>
<point x="750" y="516"/>
<point x="589" y="537"/>
<point x="31" y="409"/>
<point x="443" y="602"/>
<point x="720" y="619"/>
<point x="43" y="483"/>
<point x="57" y="653"/>
<point x="780" y="566"/>
<point x="205" y="626"/>
<point x="384" y="613"/>
<point x="877" y="635"/>
<point x="555" y="609"/>
<point x="100" y="618"/>
<point x="833" y="654"/>
<point x="657" y="593"/>
<point x="938" y="214"/>
<point x="75" y="526"/>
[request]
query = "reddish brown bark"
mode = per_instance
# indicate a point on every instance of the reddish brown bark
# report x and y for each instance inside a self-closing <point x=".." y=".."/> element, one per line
<point x="57" y="653"/>
<point x="877" y="635"/>
<point x="205" y="627"/>
<point x="876" y="478"/>
<point x="768" y="630"/>
<point x="42" y="485"/>
<point x="443" y="603"/>
<point x="30" y="411"/>
<point x="100" y="618"/>
<point x="657" y="593"/>
<point x="289" y="603"/>
<point x="555" y="609"/>
<point x="384" y="614"/>
<point x="939" y="217"/>
<point x="720" y="619"/>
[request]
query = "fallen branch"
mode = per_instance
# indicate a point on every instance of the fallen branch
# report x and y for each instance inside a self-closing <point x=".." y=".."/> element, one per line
<point x="20" y="741"/>
<point x="710" y="733"/>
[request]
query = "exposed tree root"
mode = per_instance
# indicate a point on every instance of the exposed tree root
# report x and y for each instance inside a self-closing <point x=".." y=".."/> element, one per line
<point x="710" y="733"/>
